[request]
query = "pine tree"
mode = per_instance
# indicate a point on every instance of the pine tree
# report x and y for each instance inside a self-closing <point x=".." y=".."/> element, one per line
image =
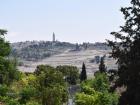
<point x="127" y="54"/>
<point x="102" y="67"/>
<point x="83" y="75"/>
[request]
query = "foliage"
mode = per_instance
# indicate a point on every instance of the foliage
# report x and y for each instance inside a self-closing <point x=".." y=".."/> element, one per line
<point x="96" y="99"/>
<point x="26" y="94"/>
<point x="8" y="71"/>
<point x="70" y="73"/>
<point x="101" y="82"/>
<point x="3" y="90"/>
<point x="45" y="86"/>
<point x="55" y="95"/>
<point x="83" y="75"/>
<point x="32" y="103"/>
<point x="102" y="67"/>
<point x="127" y="53"/>
<point x="96" y="92"/>
<point x="9" y="101"/>
<point x="3" y="32"/>
<point x="4" y="45"/>
<point x="85" y="99"/>
<point x="51" y="86"/>
<point x="112" y="75"/>
<point x="43" y="68"/>
<point x="107" y="98"/>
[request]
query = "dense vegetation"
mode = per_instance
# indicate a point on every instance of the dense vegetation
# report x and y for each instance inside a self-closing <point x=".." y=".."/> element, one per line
<point x="96" y="92"/>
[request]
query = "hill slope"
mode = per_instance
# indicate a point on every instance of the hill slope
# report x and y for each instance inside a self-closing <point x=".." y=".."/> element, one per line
<point x="35" y="53"/>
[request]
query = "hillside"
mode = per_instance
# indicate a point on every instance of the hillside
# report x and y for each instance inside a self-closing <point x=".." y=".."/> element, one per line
<point x="31" y="54"/>
<point x="36" y="50"/>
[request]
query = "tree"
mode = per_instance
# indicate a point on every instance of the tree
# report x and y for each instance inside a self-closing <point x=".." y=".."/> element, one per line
<point x="42" y="69"/>
<point x="102" y="67"/>
<point x="4" y="45"/>
<point x="50" y="85"/>
<point x="112" y="74"/>
<point x="126" y="50"/>
<point x="83" y="75"/>
<point x="101" y="82"/>
<point x="26" y="94"/>
<point x="96" y="92"/>
<point x="8" y="71"/>
<point x="71" y="73"/>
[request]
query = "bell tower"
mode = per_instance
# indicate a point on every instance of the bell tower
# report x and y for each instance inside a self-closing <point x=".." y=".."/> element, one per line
<point x="53" y="38"/>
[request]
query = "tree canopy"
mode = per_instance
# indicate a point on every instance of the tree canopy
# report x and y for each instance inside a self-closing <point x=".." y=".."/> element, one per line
<point x="8" y="71"/>
<point x="126" y="49"/>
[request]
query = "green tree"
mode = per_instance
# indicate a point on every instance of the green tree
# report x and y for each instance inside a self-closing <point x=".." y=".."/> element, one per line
<point x="83" y="75"/>
<point x="102" y="67"/>
<point x="4" y="45"/>
<point x="8" y="71"/>
<point x="101" y="82"/>
<point x="51" y="86"/>
<point x="96" y="92"/>
<point x="26" y="94"/>
<point x="70" y="73"/>
<point x="43" y="68"/>
<point x="127" y="53"/>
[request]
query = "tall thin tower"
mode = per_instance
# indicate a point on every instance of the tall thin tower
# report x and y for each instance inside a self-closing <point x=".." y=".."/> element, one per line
<point x="53" y="37"/>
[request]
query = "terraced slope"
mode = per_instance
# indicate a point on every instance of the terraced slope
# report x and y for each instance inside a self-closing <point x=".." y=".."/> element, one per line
<point x="75" y="58"/>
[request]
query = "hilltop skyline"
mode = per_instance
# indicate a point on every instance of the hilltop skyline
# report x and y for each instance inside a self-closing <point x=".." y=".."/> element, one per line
<point x="73" y="21"/>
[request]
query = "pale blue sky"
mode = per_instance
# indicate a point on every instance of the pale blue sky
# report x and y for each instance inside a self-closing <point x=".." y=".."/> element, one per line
<point x="71" y="20"/>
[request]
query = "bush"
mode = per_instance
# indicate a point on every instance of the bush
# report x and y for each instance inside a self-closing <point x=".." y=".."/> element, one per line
<point x="84" y="99"/>
<point x="9" y="101"/>
<point x="3" y="90"/>
<point x="26" y="94"/>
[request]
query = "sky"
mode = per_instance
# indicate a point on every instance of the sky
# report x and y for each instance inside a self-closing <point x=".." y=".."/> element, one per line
<point x="73" y="21"/>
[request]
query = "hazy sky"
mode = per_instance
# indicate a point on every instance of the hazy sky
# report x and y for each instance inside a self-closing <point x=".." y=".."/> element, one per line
<point x="71" y="20"/>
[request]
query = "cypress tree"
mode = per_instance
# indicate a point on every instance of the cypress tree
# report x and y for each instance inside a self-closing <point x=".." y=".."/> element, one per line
<point x="83" y="74"/>
<point x="102" y="67"/>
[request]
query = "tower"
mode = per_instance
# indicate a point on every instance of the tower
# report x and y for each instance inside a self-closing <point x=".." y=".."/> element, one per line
<point x="53" y="37"/>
